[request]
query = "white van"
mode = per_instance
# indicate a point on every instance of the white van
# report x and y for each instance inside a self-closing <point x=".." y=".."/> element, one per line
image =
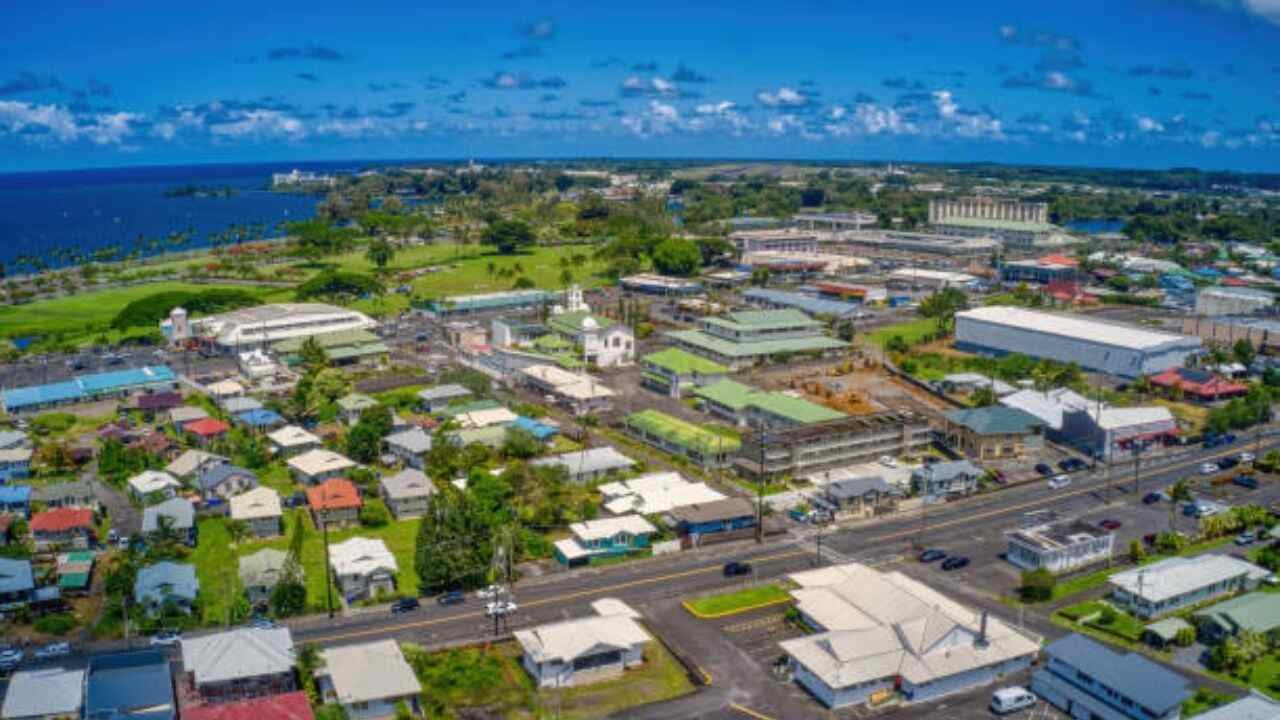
<point x="1013" y="699"/>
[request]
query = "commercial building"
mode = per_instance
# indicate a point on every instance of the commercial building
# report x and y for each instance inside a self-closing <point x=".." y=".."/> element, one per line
<point x="655" y="493"/>
<point x="741" y="339"/>
<point x="589" y="464"/>
<point x="44" y="694"/>
<point x="915" y="278"/>
<point x="885" y="241"/>
<point x="1097" y="429"/>
<point x="673" y="371"/>
<point x="700" y="523"/>
<point x="1059" y="547"/>
<point x="584" y="650"/>
<point x="1019" y="225"/>
<point x="881" y="634"/>
<point x="1225" y="300"/>
<point x="709" y="448"/>
<point x="239" y="664"/>
<point x="582" y="393"/>
<point x="856" y="439"/>
<point x="788" y="240"/>
<point x="992" y="432"/>
<point x="651" y="284"/>
<point x="605" y="537"/>
<point x="363" y="568"/>
<point x="835" y="221"/>
<point x="1178" y="582"/>
<point x="1041" y="271"/>
<point x="746" y="406"/>
<point x="946" y="479"/>
<point x="263" y="325"/>
<point x="1197" y="384"/>
<point x="799" y="265"/>
<point x="342" y="347"/>
<point x="369" y="681"/>
<point x="137" y="685"/>
<point x="87" y="388"/>
<point x="511" y="301"/>
<point x="1087" y="679"/>
<point x="807" y="304"/>
<point x="1093" y="345"/>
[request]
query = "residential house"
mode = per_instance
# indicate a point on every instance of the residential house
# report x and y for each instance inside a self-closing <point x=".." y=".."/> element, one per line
<point x="862" y="497"/>
<point x="881" y="634"/>
<point x="260" y="573"/>
<point x="16" y="500"/>
<point x="73" y="493"/>
<point x="993" y="432"/>
<point x="177" y="514"/>
<point x="184" y="415"/>
<point x="136" y="685"/>
<point x="13" y="439"/>
<point x="239" y="664"/>
<point x="368" y="680"/>
<point x="15" y="463"/>
<point x="1257" y="612"/>
<point x="17" y="584"/>
<point x="223" y="389"/>
<point x="352" y="404"/>
<point x="261" y="419"/>
<point x="956" y="477"/>
<point x="584" y="650"/>
<point x="259" y="509"/>
<point x="207" y="430"/>
<point x="224" y="480"/>
<point x="438" y="398"/>
<point x="407" y="493"/>
<point x="189" y="465"/>
<point x="655" y="493"/>
<point x="1059" y="547"/>
<point x="605" y="537"/>
<point x="158" y="444"/>
<point x="166" y="584"/>
<point x="317" y="465"/>
<point x="363" y="568"/>
<point x="45" y="694"/>
<point x="673" y="371"/>
<point x="285" y="706"/>
<point x="151" y="404"/>
<point x="150" y="485"/>
<point x="1180" y="582"/>
<point x="75" y="572"/>
<point x="61" y="528"/>
<point x="1087" y="679"/>
<point x="590" y="464"/>
<point x="242" y="404"/>
<point x="717" y="520"/>
<point x="1254" y="706"/>
<point x="334" y="503"/>
<point x="410" y="446"/>
<point x="292" y="440"/>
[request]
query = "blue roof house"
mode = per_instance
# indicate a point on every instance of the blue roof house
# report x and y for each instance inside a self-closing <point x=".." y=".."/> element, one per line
<point x="539" y="430"/>
<point x="224" y="480"/>
<point x="129" y="686"/>
<point x="15" y="463"/>
<point x="16" y="499"/>
<point x="259" y="418"/>
<point x="16" y="583"/>
<point x="166" y="584"/>
<point x="1087" y="679"/>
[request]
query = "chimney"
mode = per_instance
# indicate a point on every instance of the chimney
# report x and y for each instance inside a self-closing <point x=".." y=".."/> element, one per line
<point x="982" y="632"/>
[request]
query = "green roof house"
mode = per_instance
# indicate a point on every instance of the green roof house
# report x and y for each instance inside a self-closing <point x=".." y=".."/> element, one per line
<point x="741" y="339"/>
<point x="684" y="439"/>
<point x="673" y="370"/>
<point x="1256" y="612"/>
<point x="993" y="432"/>
<point x="352" y="404"/>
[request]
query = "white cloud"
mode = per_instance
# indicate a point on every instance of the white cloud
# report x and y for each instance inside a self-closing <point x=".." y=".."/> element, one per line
<point x="946" y="106"/>
<point x="1149" y="125"/>
<point x="784" y="97"/>
<point x="719" y="108"/>
<point x="260" y="124"/>
<point x="40" y="123"/>
<point x="110" y="129"/>
<point x="1211" y="138"/>
<point x="1268" y="10"/>
<point x="1008" y="32"/>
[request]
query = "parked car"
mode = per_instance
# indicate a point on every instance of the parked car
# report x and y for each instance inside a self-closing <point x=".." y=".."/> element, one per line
<point x="491" y="592"/>
<point x="932" y="555"/>
<point x="955" y="562"/>
<point x="166" y="638"/>
<point x="1043" y="469"/>
<point x="1227" y="463"/>
<point x="1110" y="524"/>
<point x="1011" y="700"/>
<point x="1149" y="538"/>
<point x="53" y="650"/>
<point x="1072" y="464"/>
<point x="262" y="623"/>
<point x="404" y="605"/>
<point x="453" y="597"/>
<point x="499" y="608"/>
<point x="888" y="461"/>
<point x="1246" y="538"/>
<point x="1151" y="498"/>
<point x="10" y="658"/>
<point x="1228" y="438"/>
<point x="1245" y="457"/>
<point x="733" y="569"/>
<point x="1247" y="482"/>
<point x="1059" y="482"/>
<point x="1209" y="468"/>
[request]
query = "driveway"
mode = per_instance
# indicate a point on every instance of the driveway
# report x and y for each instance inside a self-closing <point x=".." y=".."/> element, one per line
<point x="125" y="518"/>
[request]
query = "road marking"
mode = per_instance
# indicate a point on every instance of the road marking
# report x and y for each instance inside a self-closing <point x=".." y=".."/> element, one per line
<point x="749" y="712"/>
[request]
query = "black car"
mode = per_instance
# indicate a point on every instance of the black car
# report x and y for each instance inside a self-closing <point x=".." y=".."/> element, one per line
<point x="453" y="597"/>
<point x="733" y="569"/>
<point x="1151" y="498"/>
<point x="932" y="555"/>
<point x="404" y="605"/>
<point x="1044" y="470"/>
<point x="955" y="563"/>
<point x="1227" y="463"/>
<point x="1247" y="482"/>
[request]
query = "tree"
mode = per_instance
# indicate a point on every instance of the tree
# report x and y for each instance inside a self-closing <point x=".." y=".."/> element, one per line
<point x="1037" y="585"/>
<point x="677" y="256"/>
<point x="454" y="544"/>
<point x="330" y="384"/>
<point x="982" y="396"/>
<point x="313" y="355"/>
<point x="943" y="305"/>
<point x="364" y="440"/>
<point x="520" y="444"/>
<point x="380" y="252"/>
<point x="1244" y="352"/>
<point x="1137" y="553"/>
<point x="1178" y="494"/>
<point x="508" y="236"/>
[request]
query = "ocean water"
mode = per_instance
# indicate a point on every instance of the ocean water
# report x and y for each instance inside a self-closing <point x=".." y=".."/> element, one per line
<point x="43" y="213"/>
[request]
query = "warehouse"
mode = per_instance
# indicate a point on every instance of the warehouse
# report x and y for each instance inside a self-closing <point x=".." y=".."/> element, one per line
<point x="510" y="301"/>
<point x="1104" y="347"/>
<point x="85" y="388"/>
<point x="808" y="304"/>
<point x="265" y="324"/>
<point x="1215" y="301"/>
<point x="932" y="279"/>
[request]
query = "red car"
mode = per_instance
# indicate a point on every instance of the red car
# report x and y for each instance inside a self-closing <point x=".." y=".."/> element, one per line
<point x="1110" y="524"/>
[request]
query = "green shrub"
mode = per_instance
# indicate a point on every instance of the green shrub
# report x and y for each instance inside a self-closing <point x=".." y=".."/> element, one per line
<point x="1037" y="585"/>
<point x="59" y="624"/>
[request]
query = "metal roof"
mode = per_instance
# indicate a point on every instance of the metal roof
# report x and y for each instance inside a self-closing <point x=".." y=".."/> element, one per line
<point x="804" y="303"/>
<point x="86" y="386"/>
<point x="1130" y="674"/>
<point x="135" y="685"/>
<point x="1077" y="327"/>
<point x="995" y="420"/>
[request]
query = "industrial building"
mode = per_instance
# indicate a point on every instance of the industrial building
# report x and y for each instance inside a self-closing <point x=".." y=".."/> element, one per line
<point x="932" y="279"/>
<point x="87" y="388"/>
<point x="1225" y="300"/>
<point x="881" y="241"/>
<point x="1059" y="547"/>
<point x="807" y="449"/>
<point x="741" y="339"/>
<point x="1018" y="225"/>
<point x="263" y="324"/>
<point x="1093" y="345"/>
<point x="509" y="301"/>
<point x="789" y="241"/>
<point x="808" y="304"/>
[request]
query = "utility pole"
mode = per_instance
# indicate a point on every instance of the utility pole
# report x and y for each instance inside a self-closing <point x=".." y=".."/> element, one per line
<point x="760" y="489"/>
<point x="328" y="566"/>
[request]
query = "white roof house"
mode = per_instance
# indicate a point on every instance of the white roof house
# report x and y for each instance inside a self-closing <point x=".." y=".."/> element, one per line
<point x="48" y="692"/>
<point x="315" y="463"/>
<point x="256" y="504"/>
<point x="239" y="653"/>
<point x="589" y="462"/>
<point x="485" y="418"/>
<point x="1050" y="405"/>
<point x="368" y="672"/>
<point x="186" y="414"/>
<point x="292" y="436"/>
<point x="270" y="323"/>
<point x="566" y="384"/>
<point x="150" y="481"/>
<point x="191" y="462"/>
<point x="224" y="389"/>
<point x="414" y="440"/>
<point x="1162" y="584"/>
<point x="360" y="556"/>
<point x="612" y="639"/>
<point x="655" y="493"/>
<point x="879" y="626"/>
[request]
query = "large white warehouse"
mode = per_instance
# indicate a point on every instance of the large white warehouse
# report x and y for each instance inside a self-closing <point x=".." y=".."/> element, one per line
<point x="1093" y="345"/>
<point x="265" y="324"/>
<point x="1232" y="301"/>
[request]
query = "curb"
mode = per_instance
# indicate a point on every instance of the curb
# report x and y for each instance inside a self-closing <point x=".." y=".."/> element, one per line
<point x="749" y="712"/>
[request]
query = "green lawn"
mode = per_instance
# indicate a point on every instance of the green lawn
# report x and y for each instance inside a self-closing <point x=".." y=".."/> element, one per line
<point x="738" y="600"/>
<point x="1096" y="579"/>
<point x="216" y="569"/>
<point x="913" y="331"/>
<point x="1082" y="610"/>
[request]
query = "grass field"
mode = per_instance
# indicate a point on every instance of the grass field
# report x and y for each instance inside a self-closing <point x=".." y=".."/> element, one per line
<point x="216" y="569"/>
<point x="738" y="600"/>
<point x="913" y="331"/>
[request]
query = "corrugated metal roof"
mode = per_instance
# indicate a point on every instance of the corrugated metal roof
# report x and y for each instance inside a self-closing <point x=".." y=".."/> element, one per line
<point x="1130" y="674"/>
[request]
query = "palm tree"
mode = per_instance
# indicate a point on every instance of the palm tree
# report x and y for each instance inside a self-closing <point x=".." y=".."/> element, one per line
<point x="1178" y="494"/>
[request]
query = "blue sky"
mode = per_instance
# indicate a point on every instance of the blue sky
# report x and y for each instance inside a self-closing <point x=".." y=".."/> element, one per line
<point x="1153" y="83"/>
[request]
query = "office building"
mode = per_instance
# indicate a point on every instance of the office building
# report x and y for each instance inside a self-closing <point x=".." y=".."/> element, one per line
<point x="807" y="449"/>
<point x="1059" y="547"/>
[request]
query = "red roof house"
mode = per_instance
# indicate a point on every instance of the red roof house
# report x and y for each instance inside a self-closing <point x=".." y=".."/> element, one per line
<point x="62" y="527"/>
<point x="1199" y="384"/>
<point x="1058" y="259"/>
<point x="287" y="706"/>
<point x="207" y="428"/>
<point x="335" y="501"/>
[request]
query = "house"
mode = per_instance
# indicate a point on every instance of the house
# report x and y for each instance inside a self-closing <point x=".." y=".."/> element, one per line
<point x="224" y="389"/>
<point x="158" y="444"/>
<point x="17" y="584"/>
<point x="291" y="440"/>
<point x="259" y="509"/>
<point x="674" y="371"/>
<point x="62" y="528"/>
<point x="713" y="520"/>
<point x="184" y="415"/>
<point x="15" y="499"/>
<point x="883" y="633"/>
<point x="1059" y="547"/>
<point x="363" y="568"/>
<point x="237" y="405"/>
<point x="352" y="404"/>
<point x="438" y="398"/>
<point x="153" y="484"/>
<point x="655" y="493"/>
<point x="166" y="584"/>
<point x="407" y="493"/>
<point x="579" y="392"/>
<point x="1179" y="582"/>
<point x="224" y="480"/>
<point x="262" y="419"/>
<point x="285" y="706"/>
<point x="1087" y="679"/>
<point x="13" y="439"/>
<point x="207" y="430"/>
<point x="334" y="503"/>
<point x="957" y="477"/>
<point x="862" y="497"/>
<point x="316" y="465"/>
<point x="1257" y="612"/>
<point x="75" y="572"/>
<point x="260" y="573"/>
<point x="239" y="664"/>
<point x="590" y="464"/>
<point x="15" y="463"/>
<point x="191" y="463"/>
<point x="584" y="650"/>
<point x="1254" y="706"/>
<point x="152" y="403"/>
<point x="539" y="430"/>
<point x="73" y="493"/>
<point x="134" y="685"/>
<point x="992" y="432"/>
<point x="606" y="537"/>
<point x="410" y="446"/>
<point x="368" y="680"/>
<point x="177" y="515"/>
<point x="1200" y="385"/>
<point x="45" y="694"/>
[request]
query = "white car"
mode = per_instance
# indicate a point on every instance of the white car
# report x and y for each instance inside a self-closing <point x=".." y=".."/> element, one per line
<point x="499" y="608"/>
<point x="53" y="650"/>
<point x="166" y="638"/>
<point x="11" y="657"/>
<point x="491" y="592"/>
<point x="1246" y="457"/>
<point x="1059" y="481"/>
<point x="1209" y="469"/>
<point x="888" y="461"/>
